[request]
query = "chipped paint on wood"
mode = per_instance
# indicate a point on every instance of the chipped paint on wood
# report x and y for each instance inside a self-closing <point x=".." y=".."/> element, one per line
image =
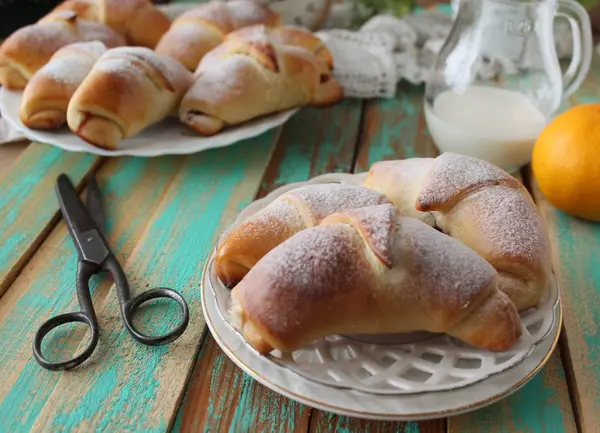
<point x="132" y="189"/>
<point x="170" y="253"/>
<point x="28" y="207"/>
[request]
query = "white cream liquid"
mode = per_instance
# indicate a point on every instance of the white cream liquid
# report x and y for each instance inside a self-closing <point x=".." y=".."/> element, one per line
<point x="493" y="124"/>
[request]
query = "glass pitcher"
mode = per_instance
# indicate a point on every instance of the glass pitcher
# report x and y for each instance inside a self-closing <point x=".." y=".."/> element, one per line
<point x="497" y="79"/>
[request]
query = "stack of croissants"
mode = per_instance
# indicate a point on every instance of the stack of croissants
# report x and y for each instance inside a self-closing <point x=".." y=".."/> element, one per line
<point x="111" y="68"/>
<point x="449" y="245"/>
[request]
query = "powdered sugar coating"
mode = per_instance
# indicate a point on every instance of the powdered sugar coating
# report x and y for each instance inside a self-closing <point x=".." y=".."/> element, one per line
<point x="446" y="272"/>
<point x="279" y="220"/>
<point x="453" y="175"/>
<point x="312" y="268"/>
<point x="91" y="31"/>
<point x="229" y="16"/>
<point x="509" y="222"/>
<point x="32" y="46"/>
<point x="71" y="64"/>
<point x="245" y="13"/>
<point x="35" y="35"/>
<point x="376" y="224"/>
<point x="319" y="201"/>
<point x="125" y="60"/>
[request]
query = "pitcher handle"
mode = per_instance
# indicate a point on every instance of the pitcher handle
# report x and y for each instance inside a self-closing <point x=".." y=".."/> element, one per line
<point x="579" y="21"/>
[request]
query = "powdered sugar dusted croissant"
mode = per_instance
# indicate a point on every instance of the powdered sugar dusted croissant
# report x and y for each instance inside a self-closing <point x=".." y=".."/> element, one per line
<point x="47" y="95"/>
<point x="285" y="35"/>
<point x="244" y="79"/>
<point x="139" y="21"/>
<point x="199" y="30"/>
<point x="128" y="89"/>
<point x="290" y="213"/>
<point x="28" y="49"/>
<point x="480" y="205"/>
<point x="371" y="271"/>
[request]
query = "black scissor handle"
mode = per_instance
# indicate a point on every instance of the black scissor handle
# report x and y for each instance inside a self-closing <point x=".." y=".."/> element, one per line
<point x="54" y="323"/>
<point x="132" y="306"/>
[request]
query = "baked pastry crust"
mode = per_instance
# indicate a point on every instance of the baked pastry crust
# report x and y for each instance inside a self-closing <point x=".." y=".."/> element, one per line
<point x="480" y="205"/>
<point x="371" y="271"/>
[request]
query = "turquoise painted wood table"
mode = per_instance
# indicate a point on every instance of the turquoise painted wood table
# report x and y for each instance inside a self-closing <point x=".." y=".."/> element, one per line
<point x="164" y="216"/>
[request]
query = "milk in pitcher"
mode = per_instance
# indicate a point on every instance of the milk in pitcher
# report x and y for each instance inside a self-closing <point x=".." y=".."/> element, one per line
<point x="494" y="124"/>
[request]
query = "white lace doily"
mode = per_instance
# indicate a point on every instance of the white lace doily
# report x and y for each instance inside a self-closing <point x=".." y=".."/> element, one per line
<point x="416" y="41"/>
<point x="398" y="364"/>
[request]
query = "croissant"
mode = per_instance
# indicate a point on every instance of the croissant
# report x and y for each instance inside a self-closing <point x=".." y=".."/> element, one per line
<point x="138" y="21"/>
<point x="197" y="31"/>
<point x="47" y="95"/>
<point x="290" y="213"/>
<point x="285" y="35"/>
<point x="25" y="51"/>
<point x="241" y="80"/>
<point x="128" y="89"/>
<point x="480" y="205"/>
<point x="371" y="271"/>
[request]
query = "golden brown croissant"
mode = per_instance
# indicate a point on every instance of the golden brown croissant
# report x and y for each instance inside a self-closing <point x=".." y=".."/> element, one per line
<point x="480" y="205"/>
<point x="241" y="80"/>
<point x="290" y="213"/>
<point x="138" y="21"/>
<point x="197" y="31"/>
<point x="371" y="271"/>
<point x="285" y="35"/>
<point x="25" y="51"/>
<point x="128" y="89"/>
<point x="47" y="95"/>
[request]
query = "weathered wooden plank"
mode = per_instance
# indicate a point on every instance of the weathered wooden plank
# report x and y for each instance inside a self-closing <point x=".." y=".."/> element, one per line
<point x="171" y="253"/>
<point x="132" y="188"/>
<point x="322" y="422"/>
<point x="395" y="129"/>
<point x="542" y="405"/>
<point x="28" y="208"/>
<point x="220" y="395"/>
<point x="9" y="152"/>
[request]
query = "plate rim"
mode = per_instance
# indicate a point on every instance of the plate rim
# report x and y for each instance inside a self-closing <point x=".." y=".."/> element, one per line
<point x="253" y="128"/>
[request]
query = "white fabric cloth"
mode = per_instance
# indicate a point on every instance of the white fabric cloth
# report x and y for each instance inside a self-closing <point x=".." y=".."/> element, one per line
<point x="8" y="134"/>
<point x="364" y="63"/>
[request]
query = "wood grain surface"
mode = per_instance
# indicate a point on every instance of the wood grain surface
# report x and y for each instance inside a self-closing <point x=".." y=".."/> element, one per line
<point x="204" y="187"/>
<point x="28" y="206"/>
<point x="9" y="152"/>
<point x="46" y="287"/>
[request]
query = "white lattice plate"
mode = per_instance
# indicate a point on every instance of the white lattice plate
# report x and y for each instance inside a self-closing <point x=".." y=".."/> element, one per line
<point x="168" y="137"/>
<point x="409" y="376"/>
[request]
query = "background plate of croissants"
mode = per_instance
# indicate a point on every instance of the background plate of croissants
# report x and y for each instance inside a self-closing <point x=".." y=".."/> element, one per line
<point x="419" y="288"/>
<point x="117" y="77"/>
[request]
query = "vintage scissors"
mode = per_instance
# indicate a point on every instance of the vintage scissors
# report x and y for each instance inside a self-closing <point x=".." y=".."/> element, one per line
<point x="86" y="224"/>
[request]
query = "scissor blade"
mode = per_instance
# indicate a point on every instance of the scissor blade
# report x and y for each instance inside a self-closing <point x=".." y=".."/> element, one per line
<point x="79" y="220"/>
<point x="93" y="202"/>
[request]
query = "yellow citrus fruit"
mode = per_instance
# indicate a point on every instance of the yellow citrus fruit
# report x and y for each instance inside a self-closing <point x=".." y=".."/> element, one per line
<point x="566" y="161"/>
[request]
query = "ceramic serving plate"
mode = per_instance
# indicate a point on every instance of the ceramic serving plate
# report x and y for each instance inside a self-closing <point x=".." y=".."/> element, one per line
<point x="168" y="137"/>
<point x="389" y="377"/>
